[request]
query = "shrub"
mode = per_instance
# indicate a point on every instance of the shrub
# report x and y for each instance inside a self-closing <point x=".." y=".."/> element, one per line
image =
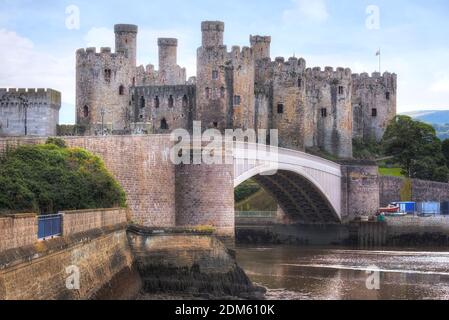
<point x="51" y="177"/>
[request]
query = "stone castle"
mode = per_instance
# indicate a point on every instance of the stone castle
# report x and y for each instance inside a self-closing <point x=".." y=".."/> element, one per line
<point x="243" y="88"/>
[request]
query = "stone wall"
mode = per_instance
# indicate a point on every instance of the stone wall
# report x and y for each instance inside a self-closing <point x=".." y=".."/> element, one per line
<point x="17" y="231"/>
<point x="360" y="189"/>
<point x="191" y="264"/>
<point x="140" y="164"/>
<point x="40" y="272"/>
<point x="421" y="191"/>
<point x="31" y="112"/>
<point x="84" y="220"/>
<point x="162" y="109"/>
<point x="205" y="197"/>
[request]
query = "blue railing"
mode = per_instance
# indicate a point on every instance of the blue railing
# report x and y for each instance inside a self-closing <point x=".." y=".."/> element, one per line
<point x="49" y="226"/>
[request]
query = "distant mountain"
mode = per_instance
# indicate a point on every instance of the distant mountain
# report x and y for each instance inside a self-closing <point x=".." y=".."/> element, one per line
<point x="439" y="119"/>
<point x="430" y="116"/>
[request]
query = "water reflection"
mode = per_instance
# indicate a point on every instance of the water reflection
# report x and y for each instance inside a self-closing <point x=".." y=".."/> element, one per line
<point x="310" y="273"/>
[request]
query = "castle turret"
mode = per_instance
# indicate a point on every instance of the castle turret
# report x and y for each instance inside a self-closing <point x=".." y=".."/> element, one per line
<point x="260" y="46"/>
<point x="374" y="104"/>
<point x="212" y="33"/>
<point x="126" y="41"/>
<point x="329" y="94"/>
<point x="169" y="71"/>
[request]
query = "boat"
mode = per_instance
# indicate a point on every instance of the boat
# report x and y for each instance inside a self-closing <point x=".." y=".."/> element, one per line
<point x="390" y="209"/>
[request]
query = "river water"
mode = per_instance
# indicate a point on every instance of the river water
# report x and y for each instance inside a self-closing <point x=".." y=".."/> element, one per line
<point x="297" y="273"/>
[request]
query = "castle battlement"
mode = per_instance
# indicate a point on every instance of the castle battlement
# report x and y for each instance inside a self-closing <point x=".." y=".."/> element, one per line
<point x="329" y="73"/>
<point x="33" y="95"/>
<point x="234" y="87"/>
<point x="376" y="78"/>
<point x="256" y="39"/>
<point x="29" y="91"/>
<point x="103" y="52"/>
<point x="241" y="56"/>
<point x="167" y="42"/>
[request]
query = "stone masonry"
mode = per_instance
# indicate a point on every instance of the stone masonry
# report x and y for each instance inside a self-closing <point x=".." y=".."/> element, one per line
<point x="241" y="88"/>
<point x="29" y="112"/>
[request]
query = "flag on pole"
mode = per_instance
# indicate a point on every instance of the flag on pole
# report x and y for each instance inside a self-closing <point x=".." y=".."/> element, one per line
<point x="378" y="53"/>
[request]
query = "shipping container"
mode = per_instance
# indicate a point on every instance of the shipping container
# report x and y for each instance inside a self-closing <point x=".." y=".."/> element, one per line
<point x="406" y="207"/>
<point x="444" y="208"/>
<point x="429" y="207"/>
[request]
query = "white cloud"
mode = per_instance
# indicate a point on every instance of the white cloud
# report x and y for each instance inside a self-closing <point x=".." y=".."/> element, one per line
<point x="315" y="11"/>
<point x="22" y="65"/>
<point x="440" y="86"/>
<point x="100" y="37"/>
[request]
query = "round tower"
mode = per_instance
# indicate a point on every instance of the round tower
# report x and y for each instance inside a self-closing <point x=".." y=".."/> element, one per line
<point x="260" y="46"/>
<point x="212" y="33"/>
<point x="167" y="59"/>
<point x="126" y="41"/>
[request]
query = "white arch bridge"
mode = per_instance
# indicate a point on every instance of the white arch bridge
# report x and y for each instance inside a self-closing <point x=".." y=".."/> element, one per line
<point x="306" y="187"/>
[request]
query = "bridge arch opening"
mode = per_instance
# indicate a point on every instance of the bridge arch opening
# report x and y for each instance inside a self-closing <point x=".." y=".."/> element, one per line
<point x="296" y="197"/>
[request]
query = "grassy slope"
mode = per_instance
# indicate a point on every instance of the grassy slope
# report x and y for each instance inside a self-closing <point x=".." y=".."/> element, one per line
<point x="391" y="172"/>
<point x="260" y="201"/>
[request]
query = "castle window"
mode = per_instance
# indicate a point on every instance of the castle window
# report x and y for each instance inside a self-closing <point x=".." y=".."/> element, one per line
<point x="341" y="90"/>
<point x="134" y="81"/>
<point x="214" y="75"/>
<point x="156" y="102"/>
<point x="141" y="116"/>
<point x="387" y="96"/>
<point x="121" y="90"/>
<point x="107" y="75"/>
<point x="323" y="112"/>
<point x="222" y="92"/>
<point x="374" y="112"/>
<point x="237" y="100"/>
<point x="215" y="124"/>
<point x="185" y="101"/>
<point x="299" y="83"/>
<point x="86" y="111"/>
<point x="142" y="102"/>
<point x="164" y="124"/>
<point x="171" y="102"/>
<point x="207" y="93"/>
<point x="280" y="108"/>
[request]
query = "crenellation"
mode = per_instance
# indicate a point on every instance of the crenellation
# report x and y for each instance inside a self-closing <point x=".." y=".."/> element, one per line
<point x="29" y="111"/>
<point x="240" y="88"/>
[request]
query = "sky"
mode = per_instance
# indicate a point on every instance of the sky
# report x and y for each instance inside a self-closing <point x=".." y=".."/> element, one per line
<point x="38" y="39"/>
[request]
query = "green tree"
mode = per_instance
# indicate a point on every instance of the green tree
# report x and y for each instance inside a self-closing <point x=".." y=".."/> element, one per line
<point x="49" y="178"/>
<point x="445" y="150"/>
<point x="416" y="148"/>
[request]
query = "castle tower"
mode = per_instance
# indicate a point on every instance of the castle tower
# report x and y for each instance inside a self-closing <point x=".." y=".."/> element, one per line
<point x="169" y="71"/>
<point x="288" y="101"/>
<point x="213" y="79"/>
<point x="103" y="80"/>
<point x="329" y="96"/>
<point x="212" y="32"/>
<point x="260" y="46"/>
<point x="126" y="41"/>
<point x="374" y="100"/>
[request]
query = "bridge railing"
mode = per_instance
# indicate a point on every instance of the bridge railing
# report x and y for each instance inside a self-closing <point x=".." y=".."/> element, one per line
<point x="255" y="214"/>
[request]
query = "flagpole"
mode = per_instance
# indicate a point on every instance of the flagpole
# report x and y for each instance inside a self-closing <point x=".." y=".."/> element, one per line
<point x="380" y="69"/>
